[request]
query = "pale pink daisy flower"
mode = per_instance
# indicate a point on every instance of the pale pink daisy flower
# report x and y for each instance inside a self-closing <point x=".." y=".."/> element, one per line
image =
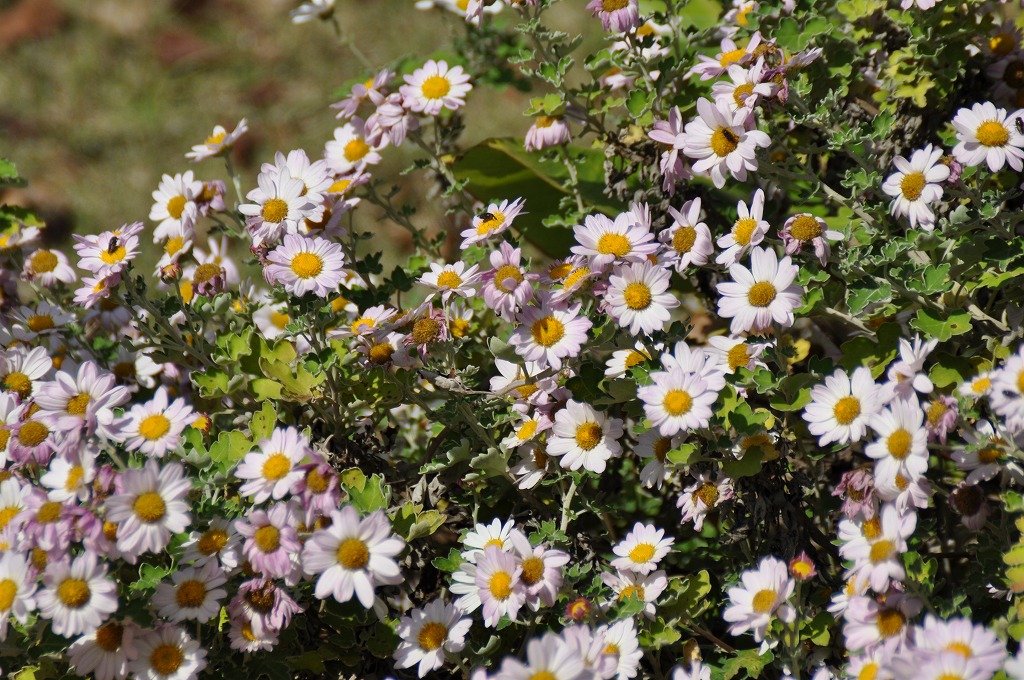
<point x="272" y="471"/>
<point x="710" y="68"/>
<point x="677" y="401"/>
<point x="916" y="186"/>
<point x="391" y="122"/>
<point x="482" y="536"/>
<point x="546" y="132"/>
<point x="617" y="16"/>
<point x="105" y="652"/>
<point x="880" y="559"/>
<point x="353" y="556"/>
<point x="621" y="641"/>
<point x="733" y="353"/>
<point x="77" y="596"/>
<point x="193" y="594"/>
<point x="17" y="590"/>
<point x="452" y="279"/>
<point x="987" y="134"/>
<point x="1007" y="396"/>
<point x="746" y="88"/>
<point x="306" y="265"/>
<point x="622" y="360"/>
<point x="110" y="252"/>
<point x="174" y="205"/>
<point x="806" y="229"/>
<point x="541" y="578"/>
<point x="638" y="298"/>
<point x="86" y="400"/>
<point x="150" y="508"/>
<point x="641" y="550"/>
<point x="584" y="437"/>
<point x="371" y="90"/>
<point x="71" y="473"/>
<point x="764" y="593"/>
<point x="154" y="428"/>
<point x="645" y="587"/>
<point x="507" y="286"/>
<point x="604" y="241"/>
<point x="902" y="444"/>
<point x="276" y="207"/>
<point x="841" y="409"/>
<point x="653" y="447"/>
<point x="313" y="174"/>
<point x="218" y="143"/>
<point x="688" y="240"/>
<point x="702" y="496"/>
<point x="962" y="636"/>
<point x="435" y="87"/>
<point x="978" y="386"/>
<point x="428" y="633"/>
<point x="168" y="653"/>
<point x="493" y="221"/>
<point x="219" y="543"/>
<point x="247" y="638"/>
<point x="670" y="137"/>
<point x="271" y="540"/>
<point x="47" y="268"/>
<point x="747" y="231"/>
<point x="267" y="607"/>
<point x="760" y="295"/>
<point x="532" y="465"/>
<point x="549" y="658"/>
<point x="96" y="288"/>
<point x="350" y="152"/>
<point x="22" y="371"/>
<point x="499" y="585"/>
<point x="719" y="139"/>
<point x="869" y="623"/>
<point x="550" y="333"/>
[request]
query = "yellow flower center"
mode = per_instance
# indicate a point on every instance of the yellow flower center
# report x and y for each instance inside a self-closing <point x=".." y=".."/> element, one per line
<point x="982" y="385"/>
<point x="743" y="230"/>
<point x="448" y="279"/>
<point x="677" y="402"/>
<point x="899" y="443"/>
<point x="32" y="433"/>
<point x="268" y="538"/>
<point x="49" y="512"/>
<point x="74" y="593"/>
<point x="740" y="94"/>
<point x="934" y="413"/>
<point x="108" y="637"/>
<point x="724" y="141"/>
<point x="992" y="133"/>
<point x="643" y="552"/>
<point x="190" y="594"/>
<point x="113" y="257"/>
<point x="206" y="272"/>
<point x="166" y="659"/>
<point x="150" y="507"/>
<point x="276" y="466"/>
<point x="1002" y="44"/>
<point x="547" y="331"/>
<point x="307" y="265"/>
<point x="425" y="331"/>
<point x="5" y="436"/>
<point x="490" y="222"/>
<point x="588" y="435"/>
<point x="8" y="591"/>
<point x="1020" y="382"/>
<point x="738" y="356"/>
<point x="528" y="429"/>
<point x="176" y="206"/>
<point x="353" y="554"/>
<point x="110" y="531"/>
<point x="274" y="210"/>
<point x="77" y="404"/>
<point x="500" y="585"/>
<point x="212" y="541"/>
<point x="882" y="550"/>
<point x="637" y="296"/>
<point x="764" y="601"/>
<point x="613" y="5"/>
<point x="761" y="294"/>
<point x="613" y="244"/>
<point x="890" y="622"/>
<point x="636" y="591"/>
<point x="662" y="445"/>
<point x="74" y="478"/>
<point x="39" y="323"/>
<point x="435" y="87"/>
<point x="356" y="150"/>
<point x="960" y="648"/>
<point x="432" y="635"/>
<point x="575" y="276"/>
<point x="43" y="261"/>
<point x="912" y="185"/>
<point x="846" y="410"/>
<point x="989" y="454"/>
<point x="707" y="494"/>
<point x="540" y="457"/>
<point x="155" y="426"/>
<point x="731" y="57"/>
<point x="635" y="358"/>
<point x="216" y="139"/>
<point x="504" y="273"/>
<point x="872" y="528"/>
<point x="316" y="482"/>
<point x="683" y="239"/>
<point x="380" y="352"/>
<point x="19" y="383"/>
<point x="533" y="570"/>
<point x="805" y="228"/>
<point x="559" y="271"/>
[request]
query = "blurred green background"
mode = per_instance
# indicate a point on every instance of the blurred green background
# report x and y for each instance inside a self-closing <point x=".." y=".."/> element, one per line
<point x="102" y="97"/>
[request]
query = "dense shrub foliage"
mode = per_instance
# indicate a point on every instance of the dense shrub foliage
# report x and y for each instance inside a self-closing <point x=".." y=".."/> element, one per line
<point x="715" y="370"/>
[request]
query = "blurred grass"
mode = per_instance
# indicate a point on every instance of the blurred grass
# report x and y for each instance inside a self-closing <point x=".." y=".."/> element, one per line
<point x="116" y="91"/>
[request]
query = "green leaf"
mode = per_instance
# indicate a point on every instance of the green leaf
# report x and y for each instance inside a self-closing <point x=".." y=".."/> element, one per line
<point x="747" y="661"/>
<point x="9" y="176"/>
<point x="149" y="576"/>
<point x="263" y="422"/>
<point x="448" y="564"/>
<point x="212" y="383"/>
<point x="229" y="448"/>
<point x="747" y="466"/>
<point x="932" y="324"/>
<point x="264" y="389"/>
<point x="686" y="597"/>
<point x="374" y="495"/>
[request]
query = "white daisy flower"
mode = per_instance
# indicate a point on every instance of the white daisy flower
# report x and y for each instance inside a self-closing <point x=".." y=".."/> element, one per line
<point x="499" y="585"/>
<point x="978" y="386"/>
<point x="312" y="9"/>
<point x="220" y="542"/>
<point x="77" y="596"/>
<point x="47" y="268"/>
<point x="702" y="496"/>
<point x="428" y="633"/>
<point x="154" y="428"/>
<point x="527" y="427"/>
<point x="219" y="142"/>
<point x="549" y="658"/>
<point x="532" y="465"/>
<point x="622" y="640"/>
<point x="653" y="447"/>
<point x="17" y="590"/>
<point x="902" y="444"/>
<point x="353" y="556"/>
<point x="435" y="87"/>
<point x="482" y="536"/>
<point x="880" y="559"/>
<point x="277" y="207"/>
<point x="174" y="205"/>
<point x="733" y="353"/>
<point x="719" y="139"/>
<point x="105" y="652"/>
<point x="962" y="636"/>
<point x="760" y="295"/>
<point x="764" y="592"/>
<point x="746" y="89"/>
<point x="86" y="400"/>
<point x="349" y="151"/>
<point x="168" y="653"/>
<point x="987" y="134"/>
<point x="542" y="570"/>
<point x="677" y="401"/>
<point x="71" y="473"/>
<point x="306" y="265"/>
<point x="1007" y="396"/>
<point x="150" y="508"/>
<point x="637" y="297"/>
<point x="642" y="548"/>
<point x="550" y="333"/>
<point x="108" y="253"/>
<point x="688" y="240"/>
<point x="194" y="593"/>
<point x="645" y="587"/>
<point x="22" y="371"/>
<point x="493" y="221"/>
<point x="916" y="186"/>
<point x="841" y="408"/>
<point x="12" y="503"/>
<point x="42" y="321"/>
<point x="452" y="279"/>
<point x="624" y="359"/>
<point x="273" y="469"/>
<point x="604" y="241"/>
<point x="584" y="437"/>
